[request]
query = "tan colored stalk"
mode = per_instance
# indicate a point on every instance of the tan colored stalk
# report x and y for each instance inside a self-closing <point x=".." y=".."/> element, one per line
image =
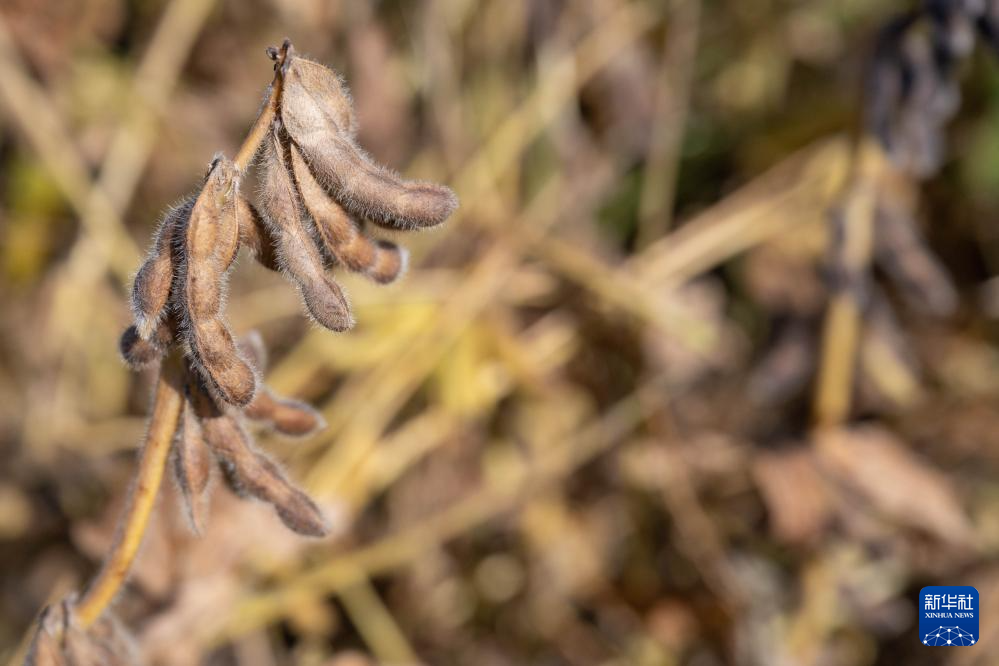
<point x="260" y="127"/>
<point x="843" y="326"/>
<point x="142" y="497"/>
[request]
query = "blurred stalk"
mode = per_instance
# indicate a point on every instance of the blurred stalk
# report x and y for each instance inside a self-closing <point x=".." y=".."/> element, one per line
<point x="676" y="73"/>
<point x="30" y="108"/>
<point x="375" y="624"/>
<point x="852" y="240"/>
<point x="155" y="79"/>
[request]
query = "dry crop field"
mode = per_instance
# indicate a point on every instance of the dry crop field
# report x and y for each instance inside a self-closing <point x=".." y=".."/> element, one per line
<point x="499" y="332"/>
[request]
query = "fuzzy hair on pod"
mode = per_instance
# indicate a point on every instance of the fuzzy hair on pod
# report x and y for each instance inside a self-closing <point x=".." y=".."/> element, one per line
<point x="296" y="250"/>
<point x="328" y="89"/>
<point x="342" y="237"/>
<point x="312" y="111"/>
<point x="212" y="240"/>
<point x="151" y="287"/>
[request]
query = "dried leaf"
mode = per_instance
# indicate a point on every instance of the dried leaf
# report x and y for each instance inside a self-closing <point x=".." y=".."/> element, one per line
<point x="794" y="493"/>
<point x="877" y="465"/>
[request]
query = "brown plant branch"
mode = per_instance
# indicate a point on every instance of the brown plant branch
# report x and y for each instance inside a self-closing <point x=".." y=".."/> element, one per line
<point x="851" y="258"/>
<point x="155" y="452"/>
<point x="261" y="126"/>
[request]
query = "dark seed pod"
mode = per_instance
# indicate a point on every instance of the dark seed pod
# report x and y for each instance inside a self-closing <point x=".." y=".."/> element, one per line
<point x="288" y="417"/>
<point x="212" y="240"/>
<point x="390" y="262"/>
<point x="312" y="110"/>
<point x="192" y="467"/>
<point x="342" y="237"/>
<point x="296" y="250"/>
<point x="255" y="236"/>
<point x="252" y="472"/>
<point x="215" y="355"/>
<point x="151" y="288"/>
<point x="140" y="353"/>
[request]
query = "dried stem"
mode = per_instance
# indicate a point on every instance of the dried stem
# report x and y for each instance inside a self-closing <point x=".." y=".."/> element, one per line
<point x="843" y="324"/>
<point x="260" y="127"/>
<point x="132" y="527"/>
<point x="262" y="124"/>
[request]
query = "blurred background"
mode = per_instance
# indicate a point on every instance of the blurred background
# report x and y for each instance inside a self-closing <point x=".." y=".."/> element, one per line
<point x="607" y="417"/>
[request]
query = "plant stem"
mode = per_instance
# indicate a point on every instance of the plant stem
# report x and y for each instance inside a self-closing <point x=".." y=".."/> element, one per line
<point x="844" y="319"/>
<point x="260" y="126"/>
<point x="142" y="497"/>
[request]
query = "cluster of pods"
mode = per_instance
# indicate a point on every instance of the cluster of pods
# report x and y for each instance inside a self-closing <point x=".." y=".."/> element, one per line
<point x="912" y="86"/>
<point x="317" y="191"/>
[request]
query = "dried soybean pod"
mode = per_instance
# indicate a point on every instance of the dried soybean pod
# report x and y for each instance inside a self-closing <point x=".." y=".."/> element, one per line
<point x="289" y="417"/>
<point x="254" y="473"/>
<point x="211" y="239"/>
<point x="296" y="250"/>
<point x="390" y="262"/>
<point x="361" y="186"/>
<point x="215" y="355"/>
<point x="192" y="467"/>
<point x="227" y="236"/>
<point x="151" y="287"/>
<point x="327" y="88"/>
<point x="60" y="640"/>
<point x="140" y="353"/>
<point x="342" y="237"/>
<point x="255" y="236"/>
